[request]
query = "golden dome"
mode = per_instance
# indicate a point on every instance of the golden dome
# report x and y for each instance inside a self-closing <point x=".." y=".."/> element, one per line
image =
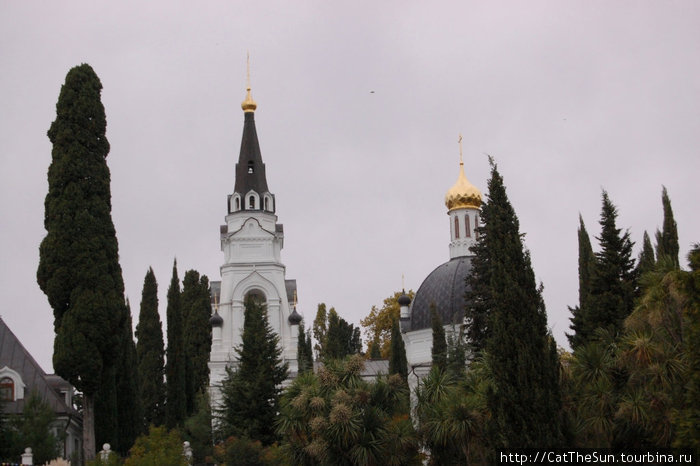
<point x="248" y="105"/>
<point x="463" y="194"/>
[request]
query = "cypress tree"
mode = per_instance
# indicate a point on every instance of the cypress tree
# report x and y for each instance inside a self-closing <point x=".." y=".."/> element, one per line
<point x="667" y="239"/>
<point x="305" y="357"/>
<point x="129" y="404"/>
<point x="613" y="281"/>
<point x="586" y="262"/>
<point x="196" y="311"/>
<point x="439" y="350"/>
<point x="397" y="355"/>
<point x="647" y="261"/>
<point x="150" y="353"/>
<point x="79" y="261"/>
<point x="176" y="398"/>
<point x="518" y="351"/>
<point x="250" y="393"/>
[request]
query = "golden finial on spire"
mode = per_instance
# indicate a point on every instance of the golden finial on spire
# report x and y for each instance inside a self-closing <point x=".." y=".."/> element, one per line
<point x="295" y="299"/>
<point x="463" y="194"/>
<point x="248" y="105"/>
<point x="403" y="282"/>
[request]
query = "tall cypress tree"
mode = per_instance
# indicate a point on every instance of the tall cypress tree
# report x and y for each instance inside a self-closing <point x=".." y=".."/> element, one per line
<point x="196" y="311"/>
<point x="129" y="405"/>
<point x="613" y="281"/>
<point x="439" y="350"/>
<point x="586" y="262"/>
<point x="305" y="357"/>
<point x="397" y="355"/>
<point x="176" y="398"/>
<point x="78" y="259"/>
<point x="150" y="353"/>
<point x="525" y="401"/>
<point x="646" y="261"/>
<point x="667" y="239"/>
<point x="250" y="393"/>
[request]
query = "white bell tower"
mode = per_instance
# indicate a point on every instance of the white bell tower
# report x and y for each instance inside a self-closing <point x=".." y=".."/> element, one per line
<point x="251" y="241"/>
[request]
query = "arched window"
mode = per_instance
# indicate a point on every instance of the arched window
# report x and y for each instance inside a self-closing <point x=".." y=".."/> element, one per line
<point x="456" y="227"/>
<point x="238" y="204"/>
<point x="251" y="202"/>
<point x="7" y="389"/>
<point x="467" y="229"/>
<point x="256" y="296"/>
<point x="250" y="167"/>
<point x="267" y="204"/>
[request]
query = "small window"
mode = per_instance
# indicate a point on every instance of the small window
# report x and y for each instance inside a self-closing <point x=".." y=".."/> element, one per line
<point x="467" y="229"/>
<point x="267" y="204"/>
<point x="7" y="389"/>
<point x="456" y="227"/>
<point x="250" y="167"/>
<point x="251" y="202"/>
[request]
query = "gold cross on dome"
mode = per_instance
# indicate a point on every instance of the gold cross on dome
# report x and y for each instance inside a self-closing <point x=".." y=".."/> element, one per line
<point x="460" y="147"/>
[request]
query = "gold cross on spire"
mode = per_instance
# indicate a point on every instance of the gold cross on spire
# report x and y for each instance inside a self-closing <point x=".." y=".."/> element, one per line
<point x="460" y="149"/>
<point x="247" y="72"/>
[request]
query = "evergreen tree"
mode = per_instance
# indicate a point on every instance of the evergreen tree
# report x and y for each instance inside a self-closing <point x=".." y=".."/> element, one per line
<point x="478" y="297"/>
<point x="439" y="350"/>
<point x="613" y="281"/>
<point x="586" y="262"/>
<point x="305" y="357"/>
<point x="646" y="260"/>
<point x="667" y="239"/>
<point x="319" y="330"/>
<point x="33" y="428"/>
<point x="196" y="311"/>
<point x="150" y="353"/>
<point x="341" y="337"/>
<point x="250" y="393"/>
<point x="524" y="401"/>
<point x="79" y="262"/>
<point x="129" y="404"/>
<point x="176" y="404"/>
<point x="456" y="363"/>
<point x="397" y="357"/>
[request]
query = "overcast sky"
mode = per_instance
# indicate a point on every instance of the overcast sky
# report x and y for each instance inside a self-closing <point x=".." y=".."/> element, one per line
<point x="360" y="105"/>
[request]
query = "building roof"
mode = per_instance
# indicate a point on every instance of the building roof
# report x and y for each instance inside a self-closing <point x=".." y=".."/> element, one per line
<point x="250" y="169"/>
<point x="445" y="287"/>
<point x="15" y="356"/>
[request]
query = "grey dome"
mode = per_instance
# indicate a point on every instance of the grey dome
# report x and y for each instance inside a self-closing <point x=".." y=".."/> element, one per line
<point x="294" y="318"/>
<point x="216" y="320"/>
<point x="445" y="287"/>
<point x="404" y="300"/>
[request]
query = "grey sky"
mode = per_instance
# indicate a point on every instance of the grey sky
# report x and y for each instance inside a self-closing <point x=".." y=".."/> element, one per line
<point x="569" y="97"/>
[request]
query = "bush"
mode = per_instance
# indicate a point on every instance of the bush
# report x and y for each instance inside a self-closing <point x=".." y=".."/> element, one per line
<point x="159" y="447"/>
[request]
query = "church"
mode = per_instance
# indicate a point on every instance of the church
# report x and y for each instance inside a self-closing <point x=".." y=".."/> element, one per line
<point x="252" y="240"/>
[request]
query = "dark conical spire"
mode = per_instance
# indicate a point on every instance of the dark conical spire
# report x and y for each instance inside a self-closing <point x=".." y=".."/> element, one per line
<point x="250" y="169"/>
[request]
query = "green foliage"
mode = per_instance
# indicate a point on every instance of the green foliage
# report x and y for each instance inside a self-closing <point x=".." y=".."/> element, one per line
<point x="613" y="281"/>
<point x="377" y="325"/>
<point x="456" y="363"/>
<point x="198" y="429"/>
<point x="646" y="261"/>
<point x="78" y="259"/>
<point x="150" y="353"/>
<point x="335" y="337"/>
<point x="397" y="356"/>
<point x="586" y="262"/>
<point x="667" y="239"/>
<point x="129" y="404"/>
<point x="159" y="447"/>
<point x="32" y="428"/>
<point x="196" y="311"/>
<point x="250" y="393"/>
<point x="439" y="350"/>
<point x="453" y="416"/>
<point x="246" y="452"/>
<point x="525" y="400"/>
<point x="688" y="421"/>
<point x="335" y="417"/>
<point x="305" y="355"/>
<point x="176" y="405"/>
